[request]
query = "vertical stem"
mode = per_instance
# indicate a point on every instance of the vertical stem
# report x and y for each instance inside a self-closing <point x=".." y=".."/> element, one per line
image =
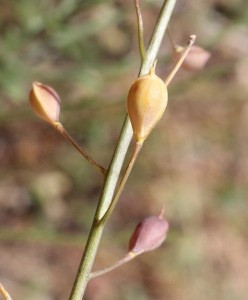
<point x="159" y="30"/>
<point x="116" y="164"/>
<point x="136" y="152"/>
<point x="103" y="204"/>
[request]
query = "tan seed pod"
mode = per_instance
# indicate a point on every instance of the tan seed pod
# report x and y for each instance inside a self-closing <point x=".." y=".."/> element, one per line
<point x="45" y="102"/>
<point x="146" y="102"/>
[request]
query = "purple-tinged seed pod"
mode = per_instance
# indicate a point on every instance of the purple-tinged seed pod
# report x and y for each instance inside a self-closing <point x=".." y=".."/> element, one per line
<point x="195" y="60"/>
<point x="149" y="234"/>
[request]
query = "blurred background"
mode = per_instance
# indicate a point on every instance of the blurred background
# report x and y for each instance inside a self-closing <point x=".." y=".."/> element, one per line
<point x="194" y="163"/>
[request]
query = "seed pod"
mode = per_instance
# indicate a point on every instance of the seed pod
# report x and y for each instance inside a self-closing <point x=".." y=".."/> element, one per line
<point x="195" y="60"/>
<point x="148" y="235"/>
<point x="45" y="102"/>
<point x="146" y="102"/>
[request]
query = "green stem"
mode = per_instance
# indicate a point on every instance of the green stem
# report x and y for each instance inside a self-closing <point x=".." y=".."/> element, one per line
<point x="111" y="207"/>
<point x="159" y="30"/>
<point x="103" y="204"/>
<point x="113" y="172"/>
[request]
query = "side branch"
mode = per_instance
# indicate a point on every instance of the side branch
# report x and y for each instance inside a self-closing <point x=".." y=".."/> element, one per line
<point x="60" y="128"/>
<point x="4" y="292"/>
<point x="140" y="31"/>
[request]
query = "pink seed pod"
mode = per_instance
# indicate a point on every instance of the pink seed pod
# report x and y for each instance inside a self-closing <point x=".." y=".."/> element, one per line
<point x="45" y="102"/>
<point x="149" y="234"/>
<point x="195" y="60"/>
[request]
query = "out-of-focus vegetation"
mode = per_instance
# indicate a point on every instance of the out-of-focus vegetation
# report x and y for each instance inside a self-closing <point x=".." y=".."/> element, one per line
<point x="195" y="162"/>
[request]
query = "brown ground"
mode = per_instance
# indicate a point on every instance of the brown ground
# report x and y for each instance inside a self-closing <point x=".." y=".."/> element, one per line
<point x="195" y="162"/>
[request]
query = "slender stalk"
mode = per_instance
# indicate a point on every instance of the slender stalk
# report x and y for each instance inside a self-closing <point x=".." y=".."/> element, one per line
<point x="180" y="61"/>
<point x="172" y="42"/>
<point x="66" y="135"/>
<point x="140" y="31"/>
<point x="120" y="262"/>
<point x="159" y="31"/>
<point x="4" y="292"/>
<point x="107" y="192"/>
<point x="135" y="154"/>
<point x="114" y="169"/>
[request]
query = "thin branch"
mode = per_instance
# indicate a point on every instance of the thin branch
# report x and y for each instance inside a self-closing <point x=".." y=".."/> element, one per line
<point x="66" y="135"/>
<point x="4" y="292"/>
<point x="172" y="42"/>
<point x="140" y="31"/>
<point x="180" y="61"/>
<point x="120" y="262"/>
